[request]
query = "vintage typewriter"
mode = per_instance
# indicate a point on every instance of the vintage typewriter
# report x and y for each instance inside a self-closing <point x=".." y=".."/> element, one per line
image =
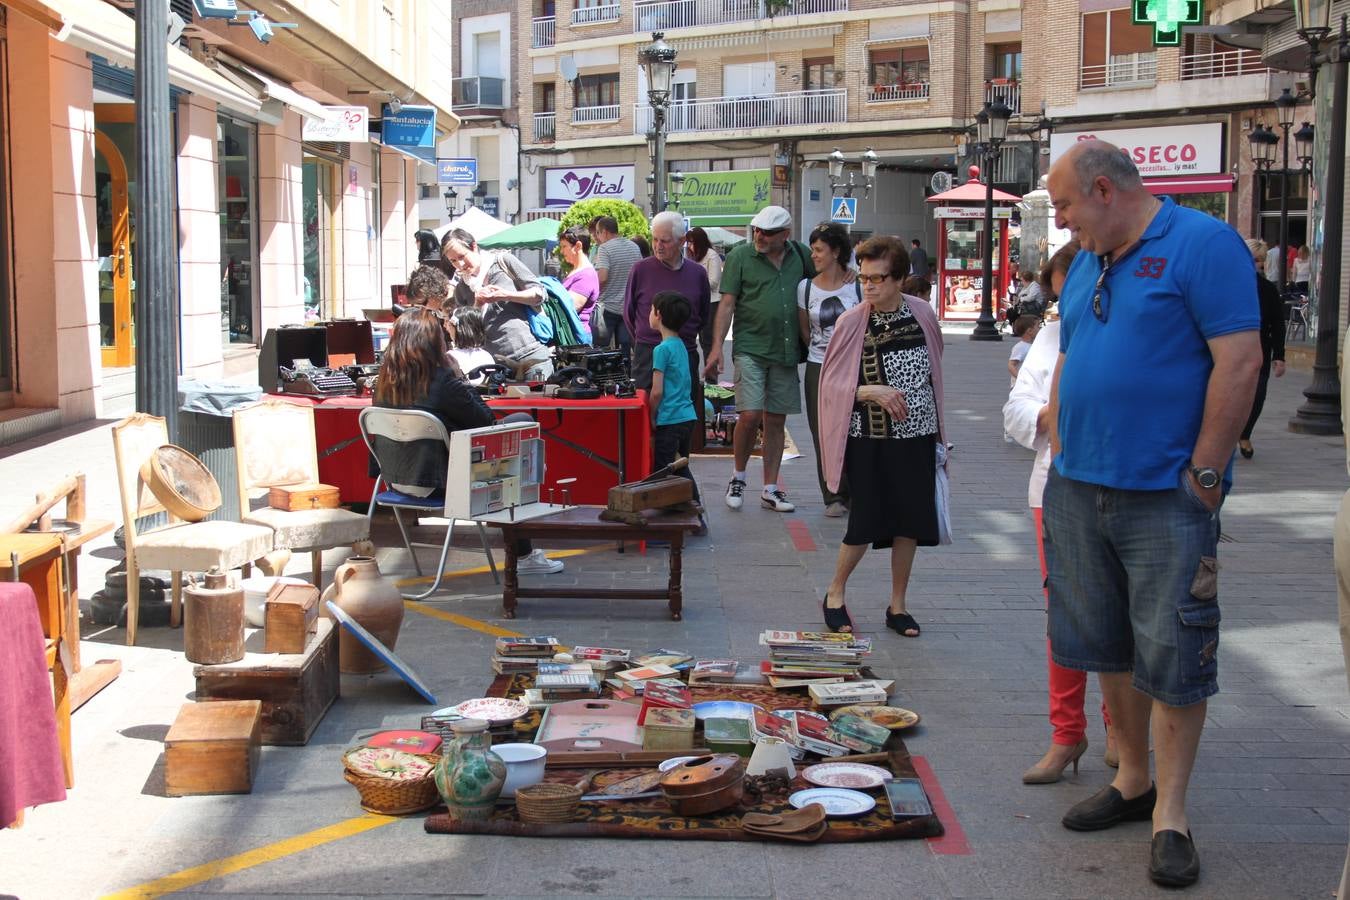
<point x="320" y="381"/>
<point x="605" y="367"/>
<point x="326" y="359"/>
<point x="363" y="374"/>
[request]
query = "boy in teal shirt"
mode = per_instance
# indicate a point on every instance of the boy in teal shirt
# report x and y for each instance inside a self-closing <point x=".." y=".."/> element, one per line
<point x="673" y="415"/>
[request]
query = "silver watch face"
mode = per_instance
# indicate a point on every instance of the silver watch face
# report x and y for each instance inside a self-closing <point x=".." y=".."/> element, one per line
<point x="1207" y="478"/>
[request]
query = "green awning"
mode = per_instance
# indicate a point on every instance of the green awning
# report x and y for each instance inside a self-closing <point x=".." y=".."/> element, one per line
<point x="540" y="233"/>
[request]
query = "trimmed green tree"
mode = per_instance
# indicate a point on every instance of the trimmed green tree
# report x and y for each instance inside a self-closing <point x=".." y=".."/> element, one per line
<point x="632" y="221"/>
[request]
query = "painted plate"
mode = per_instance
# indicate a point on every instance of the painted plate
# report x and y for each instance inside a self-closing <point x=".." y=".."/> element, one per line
<point x="495" y="710"/>
<point x="892" y="717"/>
<point x="837" y="801"/>
<point x="387" y="656"/>
<point x="673" y="762"/>
<point x="725" y="709"/>
<point x="857" y="776"/>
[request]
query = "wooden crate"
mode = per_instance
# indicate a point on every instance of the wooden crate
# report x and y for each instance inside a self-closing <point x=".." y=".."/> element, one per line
<point x="292" y="497"/>
<point x="295" y="689"/>
<point x="213" y="748"/>
<point x="291" y="617"/>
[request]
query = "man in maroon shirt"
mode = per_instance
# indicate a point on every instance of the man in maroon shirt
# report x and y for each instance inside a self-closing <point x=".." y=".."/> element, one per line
<point x="666" y="269"/>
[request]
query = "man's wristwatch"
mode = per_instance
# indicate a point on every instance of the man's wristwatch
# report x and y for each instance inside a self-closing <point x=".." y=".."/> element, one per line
<point x="1207" y="477"/>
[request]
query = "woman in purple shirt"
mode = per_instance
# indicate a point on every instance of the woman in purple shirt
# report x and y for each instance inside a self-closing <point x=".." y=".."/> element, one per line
<point x="583" y="283"/>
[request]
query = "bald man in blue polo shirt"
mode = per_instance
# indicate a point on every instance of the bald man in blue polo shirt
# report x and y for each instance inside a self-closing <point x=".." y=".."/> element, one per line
<point x="1159" y="358"/>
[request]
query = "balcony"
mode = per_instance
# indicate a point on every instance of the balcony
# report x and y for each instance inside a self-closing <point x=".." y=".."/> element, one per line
<point x="1223" y="64"/>
<point x="1124" y="71"/>
<point x="545" y="127"/>
<point x="733" y="113"/>
<point x="479" y="92"/>
<point x="891" y="93"/>
<point x="1010" y="94"/>
<point x="596" y="15"/>
<point x="592" y="115"/>
<point x="543" y="31"/>
<point x="664" y="15"/>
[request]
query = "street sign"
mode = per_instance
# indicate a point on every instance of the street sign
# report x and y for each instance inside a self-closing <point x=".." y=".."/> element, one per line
<point x="844" y="210"/>
<point x="457" y="171"/>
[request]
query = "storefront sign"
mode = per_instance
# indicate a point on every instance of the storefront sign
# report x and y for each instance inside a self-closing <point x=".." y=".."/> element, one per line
<point x="456" y="171"/>
<point x="970" y="212"/>
<point x="564" y="186"/>
<point x="344" y="124"/>
<point x="725" y="198"/>
<point x="411" y="126"/>
<point x="1169" y="150"/>
<point x="490" y="206"/>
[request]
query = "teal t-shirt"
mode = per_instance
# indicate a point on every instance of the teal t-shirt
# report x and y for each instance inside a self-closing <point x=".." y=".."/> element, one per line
<point x="671" y="359"/>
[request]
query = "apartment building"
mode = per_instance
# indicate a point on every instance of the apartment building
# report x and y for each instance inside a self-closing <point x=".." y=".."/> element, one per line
<point x="765" y="89"/>
<point x="290" y="200"/>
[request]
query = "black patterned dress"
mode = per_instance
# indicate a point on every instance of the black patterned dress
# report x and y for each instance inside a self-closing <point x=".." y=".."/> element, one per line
<point x="893" y="461"/>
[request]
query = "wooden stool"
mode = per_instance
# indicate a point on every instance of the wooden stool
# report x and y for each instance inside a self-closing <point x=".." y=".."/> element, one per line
<point x="213" y="748"/>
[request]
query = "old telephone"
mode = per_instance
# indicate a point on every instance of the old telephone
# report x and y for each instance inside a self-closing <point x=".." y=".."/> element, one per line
<point x="574" y="383"/>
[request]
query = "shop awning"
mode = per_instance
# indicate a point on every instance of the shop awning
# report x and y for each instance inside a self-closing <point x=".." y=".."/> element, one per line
<point x="98" y="28"/>
<point x="539" y="233"/>
<point x="1192" y="184"/>
<point x="283" y="93"/>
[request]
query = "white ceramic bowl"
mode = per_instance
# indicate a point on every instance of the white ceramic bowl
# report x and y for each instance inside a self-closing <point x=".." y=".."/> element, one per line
<point x="524" y="765"/>
<point x="255" y="595"/>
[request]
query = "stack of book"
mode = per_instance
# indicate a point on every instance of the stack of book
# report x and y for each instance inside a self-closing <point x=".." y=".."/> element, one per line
<point x="601" y="659"/>
<point x="724" y="671"/>
<point x="521" y="654"/>
<point x="853" y="693"/>
<point x="803" y="658"/>
<point x="659" y="693"/>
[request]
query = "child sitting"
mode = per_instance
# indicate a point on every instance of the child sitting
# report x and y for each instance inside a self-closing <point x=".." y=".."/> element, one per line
<point x="673" y="414"/>
<point x="468" y="353"/>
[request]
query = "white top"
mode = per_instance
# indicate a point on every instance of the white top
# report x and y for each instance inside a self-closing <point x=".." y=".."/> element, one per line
<point x="468" y="360"/>
<point x="713" y="263"/>
<point x="824" y="308"/>
<point x="1018" y="355"/>
<point x="1302" y="270"/>
<point x="1030" y="393"/>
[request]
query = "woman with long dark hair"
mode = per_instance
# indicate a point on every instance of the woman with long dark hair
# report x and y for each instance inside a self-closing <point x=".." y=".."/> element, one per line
<point x="417" y="373"/>
<point x="698" y="248"/>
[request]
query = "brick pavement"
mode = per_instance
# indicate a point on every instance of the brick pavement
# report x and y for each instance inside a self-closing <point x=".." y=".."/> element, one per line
<point x="1269" y="794"/>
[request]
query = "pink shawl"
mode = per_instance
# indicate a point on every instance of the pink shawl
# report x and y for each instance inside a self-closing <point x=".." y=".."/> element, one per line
<point x="839" y="379"/>
<point x="31" y="771"/>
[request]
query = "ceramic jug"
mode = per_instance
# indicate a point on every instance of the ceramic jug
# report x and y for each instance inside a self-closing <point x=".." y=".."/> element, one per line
<point x="469" y="775"/>
<point x="374" y="601"/>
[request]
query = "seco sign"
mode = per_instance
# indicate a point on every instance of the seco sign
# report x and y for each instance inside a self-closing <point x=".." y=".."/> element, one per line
<point x="1158" y="152"/>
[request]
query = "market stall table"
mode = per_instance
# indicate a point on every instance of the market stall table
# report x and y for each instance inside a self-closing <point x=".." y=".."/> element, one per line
<point x="583" y="523"/>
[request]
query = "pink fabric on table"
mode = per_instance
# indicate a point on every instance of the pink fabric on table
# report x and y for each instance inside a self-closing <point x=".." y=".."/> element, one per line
<point x="31" y="772"/>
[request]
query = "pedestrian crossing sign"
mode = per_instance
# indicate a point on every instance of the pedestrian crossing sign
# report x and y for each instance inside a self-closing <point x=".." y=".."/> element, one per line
<point x="844" y="210"/>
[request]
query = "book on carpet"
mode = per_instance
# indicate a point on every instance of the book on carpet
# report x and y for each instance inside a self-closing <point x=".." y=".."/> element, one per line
<point x="714" y="671"/>
<point x="851" y="692"/>
<point x="677" y="659"/>
<point x="660" y="693"/>
<point x="769" y="724"/>
<point x="808" y="670"/>
<point x="600" y="654"/>
<point x="570" y="681"/>
<point x="645" y="673"/>
<point x="856" y="733"/>
<point x="540" y="645"/>
<point x="810" y="733"/>
<point x="510" y="665"/>
<point x="784" y="683"/>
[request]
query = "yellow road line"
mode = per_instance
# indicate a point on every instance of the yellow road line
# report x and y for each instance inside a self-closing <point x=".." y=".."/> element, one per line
<point x="248" y="859"/>
<point x="457" y="619"/>
<point x="483" y="570"/>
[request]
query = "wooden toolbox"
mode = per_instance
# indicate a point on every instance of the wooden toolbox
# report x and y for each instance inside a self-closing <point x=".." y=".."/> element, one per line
<point x="295" y="689"/>
<point x="213" y="748"/>
<point x="291" y="618"/>
<point x="641" y="495"/>
<point x="293" y="497"/>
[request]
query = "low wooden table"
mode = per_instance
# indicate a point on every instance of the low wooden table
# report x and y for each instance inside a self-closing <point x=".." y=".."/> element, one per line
<point x="583" y="523"/>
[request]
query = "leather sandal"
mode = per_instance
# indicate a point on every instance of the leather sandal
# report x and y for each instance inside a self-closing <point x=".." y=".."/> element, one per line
<point x="836" y="618"/>
<point x="902" y="622"/>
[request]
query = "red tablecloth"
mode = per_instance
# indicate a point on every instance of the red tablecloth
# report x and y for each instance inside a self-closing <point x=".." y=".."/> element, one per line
<point x="31" y="772"/>
<point x="581" y="439"/>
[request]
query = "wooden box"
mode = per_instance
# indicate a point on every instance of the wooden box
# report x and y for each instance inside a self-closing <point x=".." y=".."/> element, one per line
<point x="213" y="748"/>
<point x="295" y="689"/>
<point x="651" y="494"/>
<point x="291" y="617"/>
<point x="294" y="497"/>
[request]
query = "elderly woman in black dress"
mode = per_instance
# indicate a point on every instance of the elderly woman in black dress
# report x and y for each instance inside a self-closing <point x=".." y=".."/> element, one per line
<point x="880" y="414"/>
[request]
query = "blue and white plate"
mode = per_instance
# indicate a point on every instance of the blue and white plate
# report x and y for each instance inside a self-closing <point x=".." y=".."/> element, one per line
<point x="725" y="709"/>
<point x="837" y="801"/>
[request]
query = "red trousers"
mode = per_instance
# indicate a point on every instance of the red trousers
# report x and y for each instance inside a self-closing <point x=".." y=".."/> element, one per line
<point x="1068" y="687"/>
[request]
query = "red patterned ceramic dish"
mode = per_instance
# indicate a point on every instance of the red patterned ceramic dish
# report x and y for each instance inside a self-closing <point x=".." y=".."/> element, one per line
<point x="855" y="776"/>
<point x="496" y="710"/>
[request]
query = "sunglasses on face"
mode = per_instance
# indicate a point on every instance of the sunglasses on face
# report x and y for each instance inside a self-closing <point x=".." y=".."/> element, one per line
<point x="770" y="232"/>
<point x="873" y="279"/>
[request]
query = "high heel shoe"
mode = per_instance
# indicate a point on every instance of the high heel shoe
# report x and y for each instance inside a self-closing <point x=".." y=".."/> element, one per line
<point x="1246" y="449"/>
<point x="836" y="618"/>
<point x="1052" y="774"/>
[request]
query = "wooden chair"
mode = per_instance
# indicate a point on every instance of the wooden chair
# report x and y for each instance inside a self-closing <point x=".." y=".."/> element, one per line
<point x="274" y="446"/>
<point x="408" y="426"/>
<point x="178" y="546"/>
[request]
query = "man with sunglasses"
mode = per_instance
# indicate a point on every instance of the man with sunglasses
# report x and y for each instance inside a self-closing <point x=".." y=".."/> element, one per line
<point x="759" y="290"/>
<point x="1159" y="356"/>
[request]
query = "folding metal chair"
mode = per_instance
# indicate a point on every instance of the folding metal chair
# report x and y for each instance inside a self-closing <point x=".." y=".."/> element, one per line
<point x="405" y="426"/>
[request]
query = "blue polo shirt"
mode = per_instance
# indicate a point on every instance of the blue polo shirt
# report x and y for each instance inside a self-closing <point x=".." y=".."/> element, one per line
<point x="1132" y="390"/>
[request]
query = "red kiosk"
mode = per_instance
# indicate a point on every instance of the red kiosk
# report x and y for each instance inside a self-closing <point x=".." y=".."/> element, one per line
<point x="960" y="257"/>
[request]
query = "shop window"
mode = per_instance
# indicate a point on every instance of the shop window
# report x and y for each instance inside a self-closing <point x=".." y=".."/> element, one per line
<point x="897" y="66"/>
<point x="597" y="90"/>
<point x="321" y="249"/>
<point x="235" y="153"/>
<point x="1214" y="204"/>
<point x="1116" y="52"/>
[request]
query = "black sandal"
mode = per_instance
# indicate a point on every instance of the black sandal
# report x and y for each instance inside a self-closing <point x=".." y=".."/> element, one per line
<point x="902" y="622"/>
<point x="836" y="618"/>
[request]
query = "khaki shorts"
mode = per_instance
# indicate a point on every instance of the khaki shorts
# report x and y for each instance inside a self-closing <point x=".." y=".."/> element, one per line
<point x="771" y="387"/>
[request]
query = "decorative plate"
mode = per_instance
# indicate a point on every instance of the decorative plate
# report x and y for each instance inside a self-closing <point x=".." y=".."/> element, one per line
<point x="892" y="717"/>
<point x="725" y="709"/>
<point x="494" y="710"/>
<point x="837" y="801"/>
<point x="673" y="762"/>
<point x="857" y="776"/>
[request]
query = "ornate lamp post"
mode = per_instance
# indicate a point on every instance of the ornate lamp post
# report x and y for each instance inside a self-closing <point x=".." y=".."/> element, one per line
<point x="991" y="130"/>
<point x="867" y="168"/>
<point x="658" y="62"/>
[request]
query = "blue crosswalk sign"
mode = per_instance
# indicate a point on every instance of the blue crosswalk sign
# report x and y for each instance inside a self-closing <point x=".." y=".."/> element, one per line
<point x="844" y="210"/>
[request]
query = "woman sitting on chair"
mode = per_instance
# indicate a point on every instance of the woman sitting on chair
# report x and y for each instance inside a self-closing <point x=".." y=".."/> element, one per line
<point x="416" y="373"/>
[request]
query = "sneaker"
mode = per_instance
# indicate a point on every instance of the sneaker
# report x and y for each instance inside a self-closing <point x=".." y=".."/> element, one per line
<point x="734" y="491"/>
<point x="776" y="501"/>
<point x="836" y="510"/>
<point x="538" y="564"/>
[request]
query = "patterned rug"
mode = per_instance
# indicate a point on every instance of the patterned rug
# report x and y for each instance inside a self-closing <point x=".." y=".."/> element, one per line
<point x="652" y="817"/>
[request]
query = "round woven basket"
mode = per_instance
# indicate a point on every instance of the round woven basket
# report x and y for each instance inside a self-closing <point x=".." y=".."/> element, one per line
<point x="395" y="798"/>
<point x="547" y="804"/>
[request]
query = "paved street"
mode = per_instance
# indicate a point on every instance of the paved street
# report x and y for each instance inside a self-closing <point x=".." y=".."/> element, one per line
<point x="1268" y="797"/>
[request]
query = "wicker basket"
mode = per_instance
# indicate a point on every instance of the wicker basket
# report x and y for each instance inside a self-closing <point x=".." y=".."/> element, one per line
<point x="395" y="798"/>
<point x="547" y="804"/>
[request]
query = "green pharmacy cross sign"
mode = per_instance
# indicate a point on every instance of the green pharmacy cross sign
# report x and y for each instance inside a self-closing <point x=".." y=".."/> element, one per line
<point x="1167" y="17"/>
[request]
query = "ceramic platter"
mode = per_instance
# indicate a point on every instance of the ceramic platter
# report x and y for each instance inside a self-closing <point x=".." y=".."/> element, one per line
<point x="495" y="710"/>
<point x="837" y="801"/>
<point x="892" y="717"/>
<point x="846" y="775"/>
<point x="673" y="762"/>
<point x="725" y="709"/>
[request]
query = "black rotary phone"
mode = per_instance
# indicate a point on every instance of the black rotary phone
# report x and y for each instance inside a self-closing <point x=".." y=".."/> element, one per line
<point x="495" y="378"/>
<point x="574" y="383"/>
